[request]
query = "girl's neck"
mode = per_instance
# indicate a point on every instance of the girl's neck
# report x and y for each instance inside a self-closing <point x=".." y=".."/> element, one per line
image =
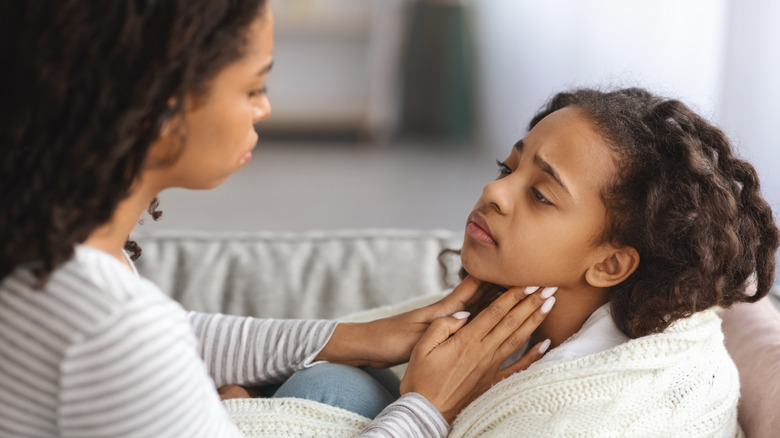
<point x="112" y="235"/>
<point x="572" y="308"/>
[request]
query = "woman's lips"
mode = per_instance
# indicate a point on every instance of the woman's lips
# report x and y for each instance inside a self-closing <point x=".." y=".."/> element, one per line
<point x="246" y="158"/>
<point x="477" y="228"/>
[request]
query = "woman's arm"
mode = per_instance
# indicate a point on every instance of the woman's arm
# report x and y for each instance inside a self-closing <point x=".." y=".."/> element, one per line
<point x="252" y="351"/>
<point x="389" y="341"/>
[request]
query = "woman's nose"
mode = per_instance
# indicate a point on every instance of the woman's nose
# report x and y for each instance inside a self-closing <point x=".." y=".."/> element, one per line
<point x="262" y="110"/>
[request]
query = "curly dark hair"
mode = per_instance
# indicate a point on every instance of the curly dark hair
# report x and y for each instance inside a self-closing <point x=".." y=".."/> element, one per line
<point x="86" y="88"/>
<point x="691" y="208"/>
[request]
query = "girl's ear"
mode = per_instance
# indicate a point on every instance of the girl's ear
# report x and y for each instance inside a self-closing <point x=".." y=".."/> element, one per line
<point x="614" y="268"/>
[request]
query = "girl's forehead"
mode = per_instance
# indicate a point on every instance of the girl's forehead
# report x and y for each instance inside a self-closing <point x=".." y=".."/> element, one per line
<point x="568" y="140"/>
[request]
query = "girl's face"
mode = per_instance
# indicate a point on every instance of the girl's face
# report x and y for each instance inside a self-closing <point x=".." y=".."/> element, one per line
<point x="537" y="223"/>
<point x="219" y="127"/>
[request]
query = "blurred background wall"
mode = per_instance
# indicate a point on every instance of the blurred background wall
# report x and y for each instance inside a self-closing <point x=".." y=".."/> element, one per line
<point x="390" y="113"/>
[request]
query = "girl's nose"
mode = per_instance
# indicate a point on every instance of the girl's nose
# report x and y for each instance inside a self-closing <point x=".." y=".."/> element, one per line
<point x="498" y="194"/>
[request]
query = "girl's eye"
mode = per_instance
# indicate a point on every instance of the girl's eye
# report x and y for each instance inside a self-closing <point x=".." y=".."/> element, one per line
<point x="503" y="169"/>
<point x="540" y="197"/>
<point x="258" y="92"/>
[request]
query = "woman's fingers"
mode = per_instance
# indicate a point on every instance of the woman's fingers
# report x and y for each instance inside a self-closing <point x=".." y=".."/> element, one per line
<point x="532" y="355"/>
<point x="439" y="331"/>
<point x="227" y="392"/>
<point x="494" y="314"/>
<point x="459" y="297"/>
<point x="516" y="327"/>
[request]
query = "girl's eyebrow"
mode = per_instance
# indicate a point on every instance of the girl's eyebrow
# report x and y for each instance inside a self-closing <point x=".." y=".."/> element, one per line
<point x="548" y="169"/>
<point x="545" y="166"/>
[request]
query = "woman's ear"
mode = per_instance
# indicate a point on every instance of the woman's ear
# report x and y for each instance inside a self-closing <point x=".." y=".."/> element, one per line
<point x="616" y="266"/>
<point x="167" y="147"/>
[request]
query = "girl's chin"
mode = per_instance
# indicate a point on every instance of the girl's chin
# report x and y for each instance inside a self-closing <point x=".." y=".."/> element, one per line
<point x="479" y="273"/>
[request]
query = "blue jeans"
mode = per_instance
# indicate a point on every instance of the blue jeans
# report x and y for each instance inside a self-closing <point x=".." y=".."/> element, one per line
<point x="364" y="391"/>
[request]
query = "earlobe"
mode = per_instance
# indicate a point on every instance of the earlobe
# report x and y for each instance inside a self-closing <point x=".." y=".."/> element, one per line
<point x="614" y="268"/>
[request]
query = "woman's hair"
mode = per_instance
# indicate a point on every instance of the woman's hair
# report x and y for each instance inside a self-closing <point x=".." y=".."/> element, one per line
<point x="86" y="87"/>
<point x="692" y="209"/>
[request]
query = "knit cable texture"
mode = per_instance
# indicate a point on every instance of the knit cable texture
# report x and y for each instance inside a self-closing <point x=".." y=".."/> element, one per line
<point x="290" y="417"/>
<point x="679" y="383"/>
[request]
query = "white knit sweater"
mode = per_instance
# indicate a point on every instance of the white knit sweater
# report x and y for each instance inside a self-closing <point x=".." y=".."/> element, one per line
<point x="679" y="383"/>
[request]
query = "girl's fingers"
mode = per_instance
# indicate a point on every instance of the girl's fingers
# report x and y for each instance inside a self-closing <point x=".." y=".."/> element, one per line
<point x="532" y="355"/>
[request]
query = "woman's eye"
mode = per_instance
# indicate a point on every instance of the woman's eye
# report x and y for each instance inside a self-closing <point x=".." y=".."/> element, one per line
<point x="540" y="197"/>
<point x="503" y="169"/>
<point x="258" y="92"/>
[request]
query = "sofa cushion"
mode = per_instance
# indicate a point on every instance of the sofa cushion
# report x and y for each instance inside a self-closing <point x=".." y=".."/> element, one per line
<point x="753" y="339"/>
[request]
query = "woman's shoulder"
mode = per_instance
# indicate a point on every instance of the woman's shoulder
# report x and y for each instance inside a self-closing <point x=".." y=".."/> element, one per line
<point x="83" y="296"/>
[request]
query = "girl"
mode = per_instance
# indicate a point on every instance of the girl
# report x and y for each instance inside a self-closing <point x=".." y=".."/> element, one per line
<point x="105" y="105"/>
<point x="637" y="209"/>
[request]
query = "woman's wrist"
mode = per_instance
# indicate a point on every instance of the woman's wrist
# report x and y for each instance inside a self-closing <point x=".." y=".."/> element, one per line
<point x="348" y="345"/>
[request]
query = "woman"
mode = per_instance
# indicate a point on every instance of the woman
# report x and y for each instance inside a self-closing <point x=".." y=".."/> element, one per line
<point x="107" y="104"/>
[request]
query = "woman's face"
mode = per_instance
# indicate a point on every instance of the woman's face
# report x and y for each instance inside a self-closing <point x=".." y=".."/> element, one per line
<point x="537" y="224"/>
<point x="219" y="127"/>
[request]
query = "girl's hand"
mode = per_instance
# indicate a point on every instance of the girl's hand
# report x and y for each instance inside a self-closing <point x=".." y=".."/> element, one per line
<point x="454" y="364"/>
<point x="389" y="341"/>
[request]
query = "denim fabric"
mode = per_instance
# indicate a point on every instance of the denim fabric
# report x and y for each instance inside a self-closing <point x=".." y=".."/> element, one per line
<point x="364" y="391"/>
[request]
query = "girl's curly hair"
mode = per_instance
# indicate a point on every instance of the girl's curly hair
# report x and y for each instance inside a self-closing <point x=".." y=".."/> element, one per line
<point x="692" y="209"/>
<point x="86" y="87"/>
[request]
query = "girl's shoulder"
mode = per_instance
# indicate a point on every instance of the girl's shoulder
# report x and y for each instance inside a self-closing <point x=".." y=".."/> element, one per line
<point x="683" y="373"/>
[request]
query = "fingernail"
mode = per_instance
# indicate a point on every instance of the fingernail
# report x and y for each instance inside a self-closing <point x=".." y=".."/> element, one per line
<point x="548" y="305"/>
<point x="545" y="345"/>
<point x="461" y="315"/>
<point x="548" y="292"/>
<point x="531" y="289"/>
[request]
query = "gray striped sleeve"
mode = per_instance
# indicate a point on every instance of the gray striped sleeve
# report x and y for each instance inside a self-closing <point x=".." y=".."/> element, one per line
<point x="411" y="416"/>
<point x="252" y="351"/>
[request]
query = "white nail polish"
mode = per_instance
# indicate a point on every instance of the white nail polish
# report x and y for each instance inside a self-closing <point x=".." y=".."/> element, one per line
<point x="461" y="315"/>
<point x="548" y="292"/>
<point x="545" y="345"/>
<point x="531" y="289"/>
<point x="547" y="305"/>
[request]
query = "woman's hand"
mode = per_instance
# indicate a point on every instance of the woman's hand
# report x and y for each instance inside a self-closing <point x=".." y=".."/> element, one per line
<point x="455" y="363"/>
<point x="389" y="341"/>
<point x="227" y="392"/>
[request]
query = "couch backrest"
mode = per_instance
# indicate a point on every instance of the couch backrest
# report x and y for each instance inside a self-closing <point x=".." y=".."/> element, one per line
<point x="306" y="275"/>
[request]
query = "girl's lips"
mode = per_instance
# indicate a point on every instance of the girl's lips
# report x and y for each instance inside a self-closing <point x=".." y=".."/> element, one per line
<point x="478" y="229"/>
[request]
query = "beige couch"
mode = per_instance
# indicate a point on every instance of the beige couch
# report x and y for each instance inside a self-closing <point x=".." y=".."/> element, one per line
<point x="335" y="273"/>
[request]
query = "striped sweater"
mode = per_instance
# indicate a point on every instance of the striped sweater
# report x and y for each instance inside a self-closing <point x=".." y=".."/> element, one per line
<point x="102" y="352"/>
